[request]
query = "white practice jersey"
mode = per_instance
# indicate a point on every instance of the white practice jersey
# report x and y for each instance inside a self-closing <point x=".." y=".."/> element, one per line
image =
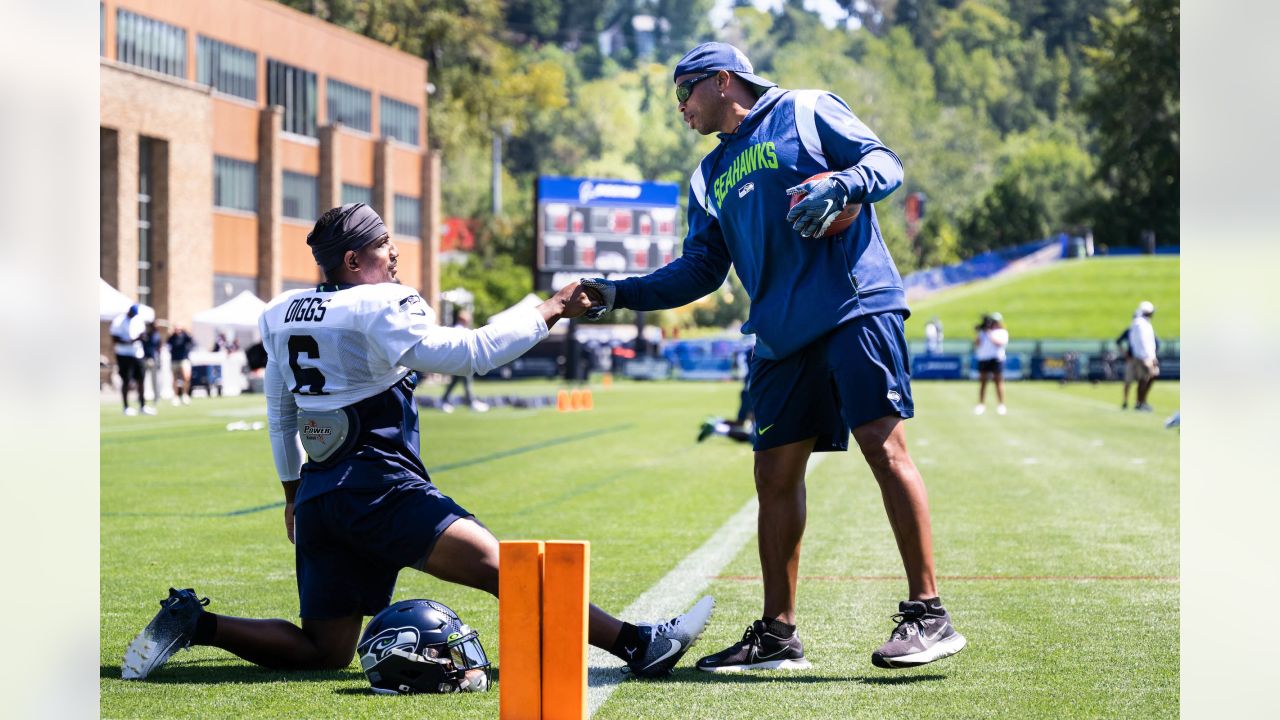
<point x="991" y="344"/>
<point x="328" y="348"/>
<point x="333" y="349"/>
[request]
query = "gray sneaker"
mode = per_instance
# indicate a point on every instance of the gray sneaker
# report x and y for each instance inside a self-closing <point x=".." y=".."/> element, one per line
<point x="924" y="634"/>
<point x="670" y="640"/>
<point x="758" y="649"/>
<point x="168" y="632"/>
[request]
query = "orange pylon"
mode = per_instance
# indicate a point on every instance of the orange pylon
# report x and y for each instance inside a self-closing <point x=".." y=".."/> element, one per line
<point x="575" y="400"/>
<point x="562" y="401"/>
<point x="607" y="380"/>
<point x="587" y="403"/>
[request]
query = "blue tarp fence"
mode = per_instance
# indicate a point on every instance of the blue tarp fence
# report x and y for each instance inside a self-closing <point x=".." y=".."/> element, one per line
<point x="977" y="267"/>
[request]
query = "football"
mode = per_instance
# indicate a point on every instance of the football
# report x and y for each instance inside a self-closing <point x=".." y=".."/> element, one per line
<point x="843" y="220"/>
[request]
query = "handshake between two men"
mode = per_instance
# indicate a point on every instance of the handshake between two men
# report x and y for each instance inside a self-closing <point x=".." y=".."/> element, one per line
<point x="590" y="298"/>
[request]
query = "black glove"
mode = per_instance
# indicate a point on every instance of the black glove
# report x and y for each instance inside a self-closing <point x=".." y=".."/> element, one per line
<point x="602" y="289"/>
<point x="824" y="200"/>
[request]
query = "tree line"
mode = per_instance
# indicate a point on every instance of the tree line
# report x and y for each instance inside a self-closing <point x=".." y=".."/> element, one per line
<point x="1014" y="120"/>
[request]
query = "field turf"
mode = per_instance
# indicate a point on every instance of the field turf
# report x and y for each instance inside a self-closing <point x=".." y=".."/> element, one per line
<point x="1074" y="299"/>
<point x="1056" y="535"/>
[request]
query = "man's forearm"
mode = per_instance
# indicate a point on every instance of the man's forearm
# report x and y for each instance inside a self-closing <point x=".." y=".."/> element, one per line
<point x="874" y="178"/>
<point x="674" y="285"/>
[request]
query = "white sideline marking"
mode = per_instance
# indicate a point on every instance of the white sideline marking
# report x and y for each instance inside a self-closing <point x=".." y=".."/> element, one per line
<point x="676" y="591"/>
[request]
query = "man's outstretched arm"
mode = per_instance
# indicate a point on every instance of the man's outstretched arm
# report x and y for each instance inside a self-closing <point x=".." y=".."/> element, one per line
<point x="464" y="351"/>
<point x="700" y="270"/>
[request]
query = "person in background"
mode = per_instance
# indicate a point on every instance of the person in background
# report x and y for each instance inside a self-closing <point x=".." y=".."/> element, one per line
<point x="933" y="336"/>
<point x="740" y="428"/>
<point x="1122" y="343"/>
<point x="989" y="351"/>
<point x="461" y="320"/>
<point x="151" y="342"/>
<point x="128" y="329"/>
<point x="180" y="346"/>
<point x="1143" y="348"/>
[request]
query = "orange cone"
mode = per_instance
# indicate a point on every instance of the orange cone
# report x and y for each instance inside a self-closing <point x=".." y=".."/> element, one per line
<point x="562" y="401"/>
<point x="575" y="400"/>
<point x="607" y="380"/>
<point x="587" y="403"/>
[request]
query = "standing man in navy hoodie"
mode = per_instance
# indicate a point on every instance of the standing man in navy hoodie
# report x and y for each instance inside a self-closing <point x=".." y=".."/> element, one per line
<point x="828" y="312"/>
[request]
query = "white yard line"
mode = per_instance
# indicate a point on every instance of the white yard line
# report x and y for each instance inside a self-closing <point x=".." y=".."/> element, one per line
<point x="677" y="591"/>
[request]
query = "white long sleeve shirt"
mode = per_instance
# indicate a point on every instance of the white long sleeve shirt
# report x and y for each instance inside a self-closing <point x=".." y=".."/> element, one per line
<point x="328" y="349"/>
<point x="1142" y="338"/>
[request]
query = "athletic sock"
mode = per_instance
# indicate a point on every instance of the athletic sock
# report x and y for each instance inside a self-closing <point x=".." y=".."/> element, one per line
<point x="206" y="628"/>
<point x="630" y="644"/>
<point x="934" y="604"/>
<point x="779" y="628"/>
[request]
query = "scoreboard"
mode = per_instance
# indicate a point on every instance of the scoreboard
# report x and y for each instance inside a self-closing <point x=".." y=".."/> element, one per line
<point x="591" y="227"/>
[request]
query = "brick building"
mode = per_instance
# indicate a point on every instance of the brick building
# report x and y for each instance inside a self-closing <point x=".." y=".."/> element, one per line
<point x="228" y="127"/>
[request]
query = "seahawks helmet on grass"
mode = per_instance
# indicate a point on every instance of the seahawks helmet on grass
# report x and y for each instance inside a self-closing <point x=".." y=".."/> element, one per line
<point x="421" y="646"/>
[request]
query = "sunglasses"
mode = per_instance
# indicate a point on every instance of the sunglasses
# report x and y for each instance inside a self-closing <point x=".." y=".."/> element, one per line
<point x="685" y="89"/>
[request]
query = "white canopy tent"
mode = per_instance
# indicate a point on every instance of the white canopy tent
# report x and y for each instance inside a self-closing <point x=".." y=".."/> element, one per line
<point x="239" y="314"/>
<point x="112" y="302"/>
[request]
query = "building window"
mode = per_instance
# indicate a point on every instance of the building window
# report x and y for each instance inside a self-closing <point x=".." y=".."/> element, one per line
<point x="227" y="68"/>
<point x="356" y="194"/>
<point x="399" y="120"/>
<point x="151" y="44"/>
<point x="146" y="185"/>
<point x="408" y="216"/>
<point x="226" y="287"/>
<point x="235" y="184"/>
<point x="294" y="89"/>
<point x="349" y="105"/>
<point x="301" y="194"/>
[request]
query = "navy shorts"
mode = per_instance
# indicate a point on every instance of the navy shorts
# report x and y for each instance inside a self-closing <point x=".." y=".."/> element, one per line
<point x="352" y="543"/>
<point x="991" y="366"/>
<point x="854" y="374"/>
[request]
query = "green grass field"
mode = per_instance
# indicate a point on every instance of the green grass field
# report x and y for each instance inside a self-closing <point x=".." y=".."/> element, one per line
<point x="1088" y="299"/>
<point x="1056" y="535"/>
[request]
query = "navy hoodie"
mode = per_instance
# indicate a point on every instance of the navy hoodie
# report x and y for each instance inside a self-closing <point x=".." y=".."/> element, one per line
<point x="800" y="287"/>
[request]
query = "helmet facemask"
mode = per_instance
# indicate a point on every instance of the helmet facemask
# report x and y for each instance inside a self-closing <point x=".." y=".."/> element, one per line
<point x="427" y="650"/>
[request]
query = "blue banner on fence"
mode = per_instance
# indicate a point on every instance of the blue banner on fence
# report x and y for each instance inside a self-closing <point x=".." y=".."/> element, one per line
<point x="937" y="367"/>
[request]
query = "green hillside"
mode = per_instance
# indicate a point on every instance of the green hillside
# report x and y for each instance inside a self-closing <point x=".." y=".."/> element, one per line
<point x="1092" y="298"/>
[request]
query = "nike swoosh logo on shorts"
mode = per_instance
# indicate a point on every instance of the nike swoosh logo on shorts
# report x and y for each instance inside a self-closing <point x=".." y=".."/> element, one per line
<point x="765" y="429"/>
<point x="675" y="648"/>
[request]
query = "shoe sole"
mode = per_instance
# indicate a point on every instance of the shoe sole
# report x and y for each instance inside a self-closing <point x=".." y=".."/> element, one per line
<point x="140" y="658"/>
<point x="946" y="648"/>
<point x="693" y="638"/>
<point x="788" y="664"/>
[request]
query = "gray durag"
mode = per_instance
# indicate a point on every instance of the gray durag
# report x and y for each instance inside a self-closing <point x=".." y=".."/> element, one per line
<point x="357" y="225"/>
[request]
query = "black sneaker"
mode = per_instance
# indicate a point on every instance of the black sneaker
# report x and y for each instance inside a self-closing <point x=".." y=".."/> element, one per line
<point x="924" y="634"/>
<point x="168" y="632"/>
<point x="669" y="641"/>
<point x="759" y="649"/>
<point x="707" y="429"/>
